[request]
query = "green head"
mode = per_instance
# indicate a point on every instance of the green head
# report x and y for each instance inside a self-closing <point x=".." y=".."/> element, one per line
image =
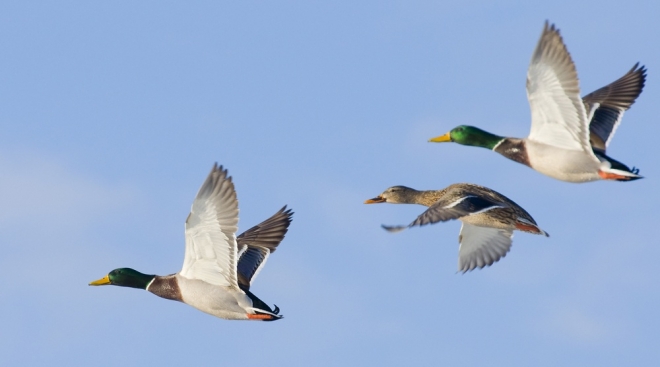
<point x="125" y="277"/>
<point x="469" y="135"/>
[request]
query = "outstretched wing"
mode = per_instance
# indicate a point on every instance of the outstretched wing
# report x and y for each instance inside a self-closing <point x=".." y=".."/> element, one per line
<point x="553" y="91"/>
<point x="259" y="242"/>
<point x="481" y="246"/>
<point x="211" y="227"/>
<point x="443" y="211"/>
<point x="605" y="107"/>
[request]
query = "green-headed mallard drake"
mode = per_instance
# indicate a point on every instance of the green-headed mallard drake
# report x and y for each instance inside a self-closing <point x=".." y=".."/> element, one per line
<point x="489" y="219"/>
<point x="569" y="134"/>
<point x="218" y="267"/>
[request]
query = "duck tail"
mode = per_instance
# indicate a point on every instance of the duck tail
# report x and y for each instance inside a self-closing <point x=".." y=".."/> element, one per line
<point x="619" y="175"/>
<point x="611" y="169"/>
<point x="529" y="227"/>
<point x="262" y="311"/>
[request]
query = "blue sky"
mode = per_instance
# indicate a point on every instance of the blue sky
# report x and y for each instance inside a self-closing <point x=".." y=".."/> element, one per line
<point x="113" y="114"/>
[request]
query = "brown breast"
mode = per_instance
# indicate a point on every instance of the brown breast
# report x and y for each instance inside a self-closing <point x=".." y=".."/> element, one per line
<point x="166" y="287"/>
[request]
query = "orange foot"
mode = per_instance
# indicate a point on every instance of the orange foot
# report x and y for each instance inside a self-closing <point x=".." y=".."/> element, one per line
<point x="259" y="317"/>
<point x="612" y="176"/>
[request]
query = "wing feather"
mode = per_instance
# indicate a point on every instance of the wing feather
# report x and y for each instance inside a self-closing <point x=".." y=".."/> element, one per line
<point x="211" y="249"/>
<point x="250" y="264"/>
<point x="268" y="233"/>
<point x="605" y="106"/>
<point x="466" y="205"/>
<point x="261" y="240"/>
<point x="443" y="211"/>
<point x="481" y="246"/>
<point x="553" y="91"/>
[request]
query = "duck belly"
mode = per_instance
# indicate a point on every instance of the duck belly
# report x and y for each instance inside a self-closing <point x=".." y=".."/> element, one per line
<point x="562" y="164"/>
<point x="500" y="218"/>
<point x="219" y="301"/>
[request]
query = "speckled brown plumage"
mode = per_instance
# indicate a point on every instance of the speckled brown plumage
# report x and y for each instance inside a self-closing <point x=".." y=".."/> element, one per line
<point x="440" y="201"/>
<point x="489" y="219"/>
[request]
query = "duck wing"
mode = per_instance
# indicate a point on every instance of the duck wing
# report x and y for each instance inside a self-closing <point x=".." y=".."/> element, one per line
<point x="553" y="91"/>
<point x="481" y="246"/>
<point x="444" y="210"/>
<point x="211" y="253"/>
<point x="257" y="243"/>
<point x="605" y="106"/>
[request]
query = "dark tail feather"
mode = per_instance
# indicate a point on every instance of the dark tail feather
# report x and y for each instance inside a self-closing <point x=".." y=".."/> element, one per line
<point x="257" y="303"/>
<point x="620" y="166"/>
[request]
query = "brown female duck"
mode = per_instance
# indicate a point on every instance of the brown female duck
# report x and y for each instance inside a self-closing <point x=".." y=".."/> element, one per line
<point x="489" y="219"/>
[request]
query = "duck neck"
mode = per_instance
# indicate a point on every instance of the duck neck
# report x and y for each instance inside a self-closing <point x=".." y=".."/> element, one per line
<point x="127" y="277"/>
<point x="424" y="197"/>
<point x="485" y="140"/>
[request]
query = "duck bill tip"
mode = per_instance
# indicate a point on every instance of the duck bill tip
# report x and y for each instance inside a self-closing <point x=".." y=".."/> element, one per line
<point x="103" y="281"/>
<point x="446" y="138"/>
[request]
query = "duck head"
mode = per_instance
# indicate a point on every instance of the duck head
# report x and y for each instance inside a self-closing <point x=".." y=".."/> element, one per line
<point x="469" y="135"/>
<point x="125" y="277"/>
<point x="395" y="195"/>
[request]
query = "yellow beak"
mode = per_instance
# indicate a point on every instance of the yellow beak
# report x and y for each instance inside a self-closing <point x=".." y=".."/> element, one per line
<point x="376" y="200"/>
<point x="103" y="281"/>
<point x="441" y="139"/>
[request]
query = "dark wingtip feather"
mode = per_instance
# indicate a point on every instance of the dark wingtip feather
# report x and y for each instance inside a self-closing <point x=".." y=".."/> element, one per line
<point x="393" y="229"/>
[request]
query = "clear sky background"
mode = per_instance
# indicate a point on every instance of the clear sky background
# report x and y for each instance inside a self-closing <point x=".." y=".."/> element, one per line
<point x="112" y="114"/>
